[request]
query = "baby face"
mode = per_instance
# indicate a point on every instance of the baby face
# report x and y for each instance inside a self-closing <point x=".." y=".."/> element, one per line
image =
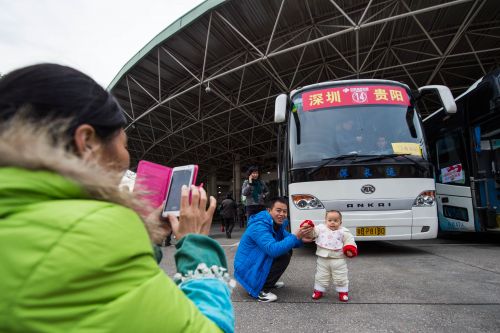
<point x="333" y="220"/>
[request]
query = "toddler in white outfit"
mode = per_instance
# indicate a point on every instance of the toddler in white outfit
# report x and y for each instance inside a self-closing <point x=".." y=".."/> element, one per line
<point x="334" y="244"/>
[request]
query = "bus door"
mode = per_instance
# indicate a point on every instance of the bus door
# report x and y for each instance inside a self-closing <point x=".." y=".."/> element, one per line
<point x="486" y="181"/>
<point x="453" y="191"/>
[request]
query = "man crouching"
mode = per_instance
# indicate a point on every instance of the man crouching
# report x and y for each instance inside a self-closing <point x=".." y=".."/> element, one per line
<point x="265" y="250"/>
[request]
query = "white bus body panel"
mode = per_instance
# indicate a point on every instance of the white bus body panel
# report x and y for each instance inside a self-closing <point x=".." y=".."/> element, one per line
<point x="457" y="196"/>
<point x="392" y="204"/>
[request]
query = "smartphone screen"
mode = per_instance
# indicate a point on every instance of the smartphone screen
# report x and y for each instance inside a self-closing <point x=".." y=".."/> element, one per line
<point x="179" y="178"/>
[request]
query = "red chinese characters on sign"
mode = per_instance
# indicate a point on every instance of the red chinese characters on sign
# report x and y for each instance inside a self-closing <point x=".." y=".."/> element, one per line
<point x="354" y="95"/>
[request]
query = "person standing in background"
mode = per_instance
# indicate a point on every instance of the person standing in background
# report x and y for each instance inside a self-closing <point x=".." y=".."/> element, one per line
<point x="255" y="192"/>
<point x="228" y="213"/>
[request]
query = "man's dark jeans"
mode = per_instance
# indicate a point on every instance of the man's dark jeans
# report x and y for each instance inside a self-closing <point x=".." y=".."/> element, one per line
<point x="277" y="269"/>
<point x="229" y="224"/>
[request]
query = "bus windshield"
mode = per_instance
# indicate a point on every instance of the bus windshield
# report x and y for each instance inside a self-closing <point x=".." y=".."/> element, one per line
<point x="353" y="129"/>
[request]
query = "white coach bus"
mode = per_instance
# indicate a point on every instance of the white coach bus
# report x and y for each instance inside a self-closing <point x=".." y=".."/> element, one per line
<point x="358" y="146"/>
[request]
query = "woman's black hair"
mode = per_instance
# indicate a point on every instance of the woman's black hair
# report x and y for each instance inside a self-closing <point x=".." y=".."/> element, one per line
<point x="252" y="169"/>
<point x="47" y="92"/>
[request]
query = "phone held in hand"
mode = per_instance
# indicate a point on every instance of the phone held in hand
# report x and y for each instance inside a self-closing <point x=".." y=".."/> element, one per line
<point x="182" y="175"/>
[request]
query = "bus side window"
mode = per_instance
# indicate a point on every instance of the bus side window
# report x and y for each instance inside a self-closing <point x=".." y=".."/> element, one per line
<point x="450" y="152"/>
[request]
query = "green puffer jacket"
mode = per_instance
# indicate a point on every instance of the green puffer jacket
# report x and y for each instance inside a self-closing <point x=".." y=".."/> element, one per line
<point x="69" y="263"/>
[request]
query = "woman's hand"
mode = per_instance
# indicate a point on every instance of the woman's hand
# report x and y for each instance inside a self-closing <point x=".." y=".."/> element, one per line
<point x="194" y="217"/>
<point x="158" y="230"/>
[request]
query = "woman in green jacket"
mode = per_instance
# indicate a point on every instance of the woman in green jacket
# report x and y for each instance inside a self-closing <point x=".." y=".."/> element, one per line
<point x="75" y="254"/>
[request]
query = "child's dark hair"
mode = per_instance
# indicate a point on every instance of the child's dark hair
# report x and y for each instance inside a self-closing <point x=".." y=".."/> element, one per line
<point x="273" y="201"/>
<point x="51" y="92"/>
<point x="334" y="211"/>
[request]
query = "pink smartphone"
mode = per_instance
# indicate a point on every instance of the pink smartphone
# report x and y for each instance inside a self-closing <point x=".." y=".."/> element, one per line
<point x="153" y="179"/>
<point x="182" y="175"/>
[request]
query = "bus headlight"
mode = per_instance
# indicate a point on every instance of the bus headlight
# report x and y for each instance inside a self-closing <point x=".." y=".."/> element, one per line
<point x="306" y="201"/>
<point x="425" y="199"/>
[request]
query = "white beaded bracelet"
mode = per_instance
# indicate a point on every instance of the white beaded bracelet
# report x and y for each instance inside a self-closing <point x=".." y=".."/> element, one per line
<point x="202" y="271"/>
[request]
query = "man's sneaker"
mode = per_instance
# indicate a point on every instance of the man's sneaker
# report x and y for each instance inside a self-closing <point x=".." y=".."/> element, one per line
<point x="279" y="284"/>
<point x="317" y="294"/>
<point x="267" y="297"/>
<point x="343" y="297"/>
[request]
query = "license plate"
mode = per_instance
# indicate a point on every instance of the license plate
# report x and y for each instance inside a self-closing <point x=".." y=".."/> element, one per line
<point x="370" y="231"/>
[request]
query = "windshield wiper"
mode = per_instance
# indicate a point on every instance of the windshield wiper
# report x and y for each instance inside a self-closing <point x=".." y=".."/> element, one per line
<point x="328" y="160"/>
<point x="394" y="156"/>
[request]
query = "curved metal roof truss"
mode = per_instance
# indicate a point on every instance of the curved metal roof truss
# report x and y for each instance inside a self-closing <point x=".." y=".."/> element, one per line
<point x="204" y="93"/>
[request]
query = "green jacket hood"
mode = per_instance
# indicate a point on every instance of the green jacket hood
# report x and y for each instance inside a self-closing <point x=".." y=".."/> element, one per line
<point x="31" y="162"/>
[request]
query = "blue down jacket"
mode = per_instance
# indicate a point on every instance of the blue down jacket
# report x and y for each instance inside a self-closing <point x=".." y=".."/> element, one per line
<point x="259" y="245"/>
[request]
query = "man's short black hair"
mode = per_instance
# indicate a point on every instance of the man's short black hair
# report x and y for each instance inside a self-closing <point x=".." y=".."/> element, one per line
<point x="273" y="201"/>
<point x="252" y="169"/>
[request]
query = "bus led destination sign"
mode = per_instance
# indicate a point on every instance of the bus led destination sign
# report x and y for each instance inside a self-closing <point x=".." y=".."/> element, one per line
<point x="354" y="95"/>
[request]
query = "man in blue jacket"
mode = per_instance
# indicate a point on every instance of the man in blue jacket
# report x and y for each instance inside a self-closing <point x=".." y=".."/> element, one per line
<point x="265" y="250"/>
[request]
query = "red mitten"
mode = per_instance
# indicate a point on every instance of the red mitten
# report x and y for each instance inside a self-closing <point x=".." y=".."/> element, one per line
<point x="352" y="248"/>
<point x="307" y="223"/>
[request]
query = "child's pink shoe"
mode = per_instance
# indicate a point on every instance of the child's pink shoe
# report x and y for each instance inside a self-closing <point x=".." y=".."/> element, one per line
<point x="343" y="297"/>
<point x="317" y="294"/>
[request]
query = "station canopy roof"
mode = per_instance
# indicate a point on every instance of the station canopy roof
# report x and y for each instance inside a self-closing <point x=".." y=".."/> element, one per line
<point x="203" y="90"/>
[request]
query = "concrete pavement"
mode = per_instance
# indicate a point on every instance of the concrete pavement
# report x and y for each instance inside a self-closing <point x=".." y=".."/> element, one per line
<point x="444" y="285"/>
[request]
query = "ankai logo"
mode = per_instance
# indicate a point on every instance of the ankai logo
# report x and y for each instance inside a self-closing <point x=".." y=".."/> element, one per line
<point x="368" y="189"/>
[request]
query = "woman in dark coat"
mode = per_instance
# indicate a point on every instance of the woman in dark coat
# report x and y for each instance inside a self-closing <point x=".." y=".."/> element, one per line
<point x="255" y="192"/>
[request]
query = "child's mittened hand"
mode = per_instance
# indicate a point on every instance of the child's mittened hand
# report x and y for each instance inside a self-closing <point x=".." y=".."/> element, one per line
<point x="350" y="251"/>
<point x="307" y="223"/>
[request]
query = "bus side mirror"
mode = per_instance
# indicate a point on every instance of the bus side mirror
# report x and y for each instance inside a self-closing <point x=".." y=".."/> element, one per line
<point x="444" y="94"/>
<point x="280" y="108"/>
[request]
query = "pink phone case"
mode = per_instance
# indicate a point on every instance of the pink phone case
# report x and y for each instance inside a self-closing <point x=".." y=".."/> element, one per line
<point x="153" y="179"/>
